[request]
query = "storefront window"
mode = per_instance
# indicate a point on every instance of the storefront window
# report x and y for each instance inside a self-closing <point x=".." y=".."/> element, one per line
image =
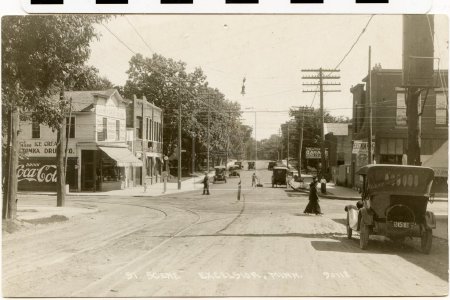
<point x="110" y="171"/>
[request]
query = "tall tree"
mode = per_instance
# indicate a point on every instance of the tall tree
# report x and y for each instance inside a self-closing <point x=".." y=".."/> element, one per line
<point x="167" y="84"/>
<point x="311" y="133"/>
<point x="39" y="55"/>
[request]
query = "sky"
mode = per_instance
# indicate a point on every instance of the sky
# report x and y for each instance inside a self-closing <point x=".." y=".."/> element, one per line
<point x="268" y="50"/>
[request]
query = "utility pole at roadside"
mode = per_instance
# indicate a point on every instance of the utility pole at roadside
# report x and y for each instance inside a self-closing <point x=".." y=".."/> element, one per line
<point x="369" y="144"/>
<point x="320" y="76"/>
<point x="418" y="76"/>
<point x="60" y="159"/>
<point x="301" y="144"/>
<point x="179" y="145"/>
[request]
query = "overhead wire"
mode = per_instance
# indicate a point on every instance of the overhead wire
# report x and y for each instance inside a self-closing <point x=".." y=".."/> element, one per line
<point x="134" y="52"/>
<point x="349" y="51"/>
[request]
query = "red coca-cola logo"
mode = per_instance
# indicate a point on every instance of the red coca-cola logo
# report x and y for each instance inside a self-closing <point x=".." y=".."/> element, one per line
<point x="44" y="174"/>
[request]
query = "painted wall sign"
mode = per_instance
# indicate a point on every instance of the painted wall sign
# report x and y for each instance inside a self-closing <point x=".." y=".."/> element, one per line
<point x="37" y="174"/>
<point x="42" y="148"/>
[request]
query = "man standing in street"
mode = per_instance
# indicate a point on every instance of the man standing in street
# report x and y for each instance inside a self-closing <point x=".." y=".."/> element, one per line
<point x="254" y="178"/>
<point x="206" y="184"/>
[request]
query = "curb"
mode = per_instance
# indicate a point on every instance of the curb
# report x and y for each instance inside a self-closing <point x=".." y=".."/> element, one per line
<point x="334" y="197"/>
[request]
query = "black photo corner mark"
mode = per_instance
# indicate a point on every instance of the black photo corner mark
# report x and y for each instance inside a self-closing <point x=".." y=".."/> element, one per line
<point x="47" y="1"/>
<point x="111" y="1"/>
<point x="177" y="1"/>
<point x="242" y="1"/>
<point x="306" y="1"/>
<point x="372" y="1"/>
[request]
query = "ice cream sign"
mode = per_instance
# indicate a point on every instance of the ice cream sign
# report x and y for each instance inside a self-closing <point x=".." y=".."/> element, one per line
<point x="42" y="148"/>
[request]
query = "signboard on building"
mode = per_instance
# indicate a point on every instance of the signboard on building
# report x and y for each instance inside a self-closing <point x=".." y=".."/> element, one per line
<point x="37" y="174"/>
<point x="314" y="153"/>
<point x="42" y="148"/>
<point x="362" y="147"/>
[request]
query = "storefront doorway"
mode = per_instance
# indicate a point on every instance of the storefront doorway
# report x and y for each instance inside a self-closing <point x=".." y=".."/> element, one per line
<point x="88" y="170"/>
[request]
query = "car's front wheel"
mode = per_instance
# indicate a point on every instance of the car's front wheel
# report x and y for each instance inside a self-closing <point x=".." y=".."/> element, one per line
<point x="364" y="236"/>
<point x="426" y="240"/>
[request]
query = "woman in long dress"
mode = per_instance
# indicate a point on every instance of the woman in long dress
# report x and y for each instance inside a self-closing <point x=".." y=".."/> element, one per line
<point x="313" y="206"/>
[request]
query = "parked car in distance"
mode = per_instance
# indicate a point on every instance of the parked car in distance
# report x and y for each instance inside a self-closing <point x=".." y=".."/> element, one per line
<point x="220" y="174"/>
<point x="271" y="165"/>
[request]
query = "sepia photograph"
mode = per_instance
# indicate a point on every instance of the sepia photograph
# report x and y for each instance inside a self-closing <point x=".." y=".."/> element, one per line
<point x="224" y="155"/>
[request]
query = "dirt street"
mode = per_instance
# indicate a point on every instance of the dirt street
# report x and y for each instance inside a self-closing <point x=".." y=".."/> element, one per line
<point x="194" y="245"/>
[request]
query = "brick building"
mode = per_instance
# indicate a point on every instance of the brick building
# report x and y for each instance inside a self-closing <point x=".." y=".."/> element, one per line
<point x="145" y="139"/>
<point x="389" y="117"/>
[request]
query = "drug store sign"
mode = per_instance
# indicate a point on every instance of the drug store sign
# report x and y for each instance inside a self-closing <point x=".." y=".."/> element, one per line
<point x="42" y="148"/>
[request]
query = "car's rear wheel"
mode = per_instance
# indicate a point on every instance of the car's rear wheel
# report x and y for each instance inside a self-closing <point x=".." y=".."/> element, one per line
<point x="426" y="240"/>
<point x="349" y="229"/>
<point x="364" y="236"/>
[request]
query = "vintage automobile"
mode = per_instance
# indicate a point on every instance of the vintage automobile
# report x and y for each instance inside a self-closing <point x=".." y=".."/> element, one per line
<point x="279" y="176"/>
<point x="271" y="165"/>
<point x="234" y="171"/>
<point x="393" y="204"/>
<point x="251" y="165"/>
<point x="239" y="164"/>
<point x="220" y="174"/>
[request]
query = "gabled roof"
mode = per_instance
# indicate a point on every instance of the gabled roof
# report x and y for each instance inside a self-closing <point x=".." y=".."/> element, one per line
<point x="83" y="101"/>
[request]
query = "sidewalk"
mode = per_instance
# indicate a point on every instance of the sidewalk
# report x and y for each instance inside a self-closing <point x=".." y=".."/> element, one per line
<point x="33" y="211"/>
<point x="345" y="193"/>
<point x="154" y="190"/>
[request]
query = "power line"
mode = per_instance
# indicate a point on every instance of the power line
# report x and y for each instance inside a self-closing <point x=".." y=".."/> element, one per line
<point x="140" y="36"/>
<point x="354" y="44"/>
<point x="348" y="52"/>
<point x="122" y="42"/>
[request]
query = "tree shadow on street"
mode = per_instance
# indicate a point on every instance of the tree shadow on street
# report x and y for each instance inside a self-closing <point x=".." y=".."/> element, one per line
<point x="436" y="262"/>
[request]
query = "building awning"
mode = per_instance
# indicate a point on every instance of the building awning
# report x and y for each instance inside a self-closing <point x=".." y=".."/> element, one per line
<point x="122" y="156"/>
<point x="439" y="161"/>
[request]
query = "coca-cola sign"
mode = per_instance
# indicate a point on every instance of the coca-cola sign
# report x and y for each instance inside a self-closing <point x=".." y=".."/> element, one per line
<point x="37" y="174"/>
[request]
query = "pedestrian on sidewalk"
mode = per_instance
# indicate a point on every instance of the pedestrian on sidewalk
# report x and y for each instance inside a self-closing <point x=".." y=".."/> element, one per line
<point x="254" y="178"/>
<point x="313" y="206"/>
<point x="206" y="184"/>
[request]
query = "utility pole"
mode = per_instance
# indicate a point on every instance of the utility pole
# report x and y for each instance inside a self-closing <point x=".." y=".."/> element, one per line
<point x="10" y="207"/>
<point x="287" y="159"/>
<point x="61" y="172"/>
<point x="281" y="144"/>
<point x="320" y="76"/>
<point x="418" y="75"/>
<point x="301" y="144"/>
<point x="369" y="144"/>
<point x="193" y="154"/>
<point x="228" y="140"/>
<point x="256" y="144"/>
<point x="144" y="132"/>
<point x="68" y="134"/>
<point x="208" y="146"/>
<point x="179" y="145"/>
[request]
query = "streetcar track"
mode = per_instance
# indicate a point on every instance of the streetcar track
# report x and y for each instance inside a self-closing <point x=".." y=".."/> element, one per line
<point x="113" y="237"/>
<point x="140" y="257"/>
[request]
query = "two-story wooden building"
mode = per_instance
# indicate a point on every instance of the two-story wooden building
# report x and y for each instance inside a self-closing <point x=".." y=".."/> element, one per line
<point x="98" y="156"/>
